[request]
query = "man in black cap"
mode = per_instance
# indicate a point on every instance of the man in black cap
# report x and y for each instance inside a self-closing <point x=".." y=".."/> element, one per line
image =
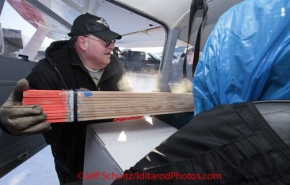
<point x="83" y="62"/>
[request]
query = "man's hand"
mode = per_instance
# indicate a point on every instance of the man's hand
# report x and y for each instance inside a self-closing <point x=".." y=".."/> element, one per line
<point x="21" y="119"/>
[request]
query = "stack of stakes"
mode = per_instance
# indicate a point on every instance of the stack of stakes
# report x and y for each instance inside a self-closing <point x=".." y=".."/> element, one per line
<point x="69" y="106"/>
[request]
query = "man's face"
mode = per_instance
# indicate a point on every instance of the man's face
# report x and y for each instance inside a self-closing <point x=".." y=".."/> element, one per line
<point x="97" y="53"/>
<point x="190" y="57"/>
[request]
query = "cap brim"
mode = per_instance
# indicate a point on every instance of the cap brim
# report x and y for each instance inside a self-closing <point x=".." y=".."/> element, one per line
<point x="107" y="35"/>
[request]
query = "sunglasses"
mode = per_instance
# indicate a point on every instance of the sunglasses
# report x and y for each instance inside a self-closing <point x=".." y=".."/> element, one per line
<point x="105" y="42"/>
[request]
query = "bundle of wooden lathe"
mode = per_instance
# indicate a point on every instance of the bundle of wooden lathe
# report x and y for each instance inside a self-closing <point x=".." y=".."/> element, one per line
<point x="69" y="106"/>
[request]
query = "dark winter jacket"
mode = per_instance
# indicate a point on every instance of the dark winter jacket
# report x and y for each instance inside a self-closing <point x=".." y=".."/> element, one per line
<point x="227" y="145"/>
<point x="63" y="69"/>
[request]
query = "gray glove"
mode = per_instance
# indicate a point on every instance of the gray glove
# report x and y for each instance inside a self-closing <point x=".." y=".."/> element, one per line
<point x="21" y="119"/>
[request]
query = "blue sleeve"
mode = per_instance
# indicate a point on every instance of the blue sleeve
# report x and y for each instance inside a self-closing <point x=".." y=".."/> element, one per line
<point x="246" y="56"/>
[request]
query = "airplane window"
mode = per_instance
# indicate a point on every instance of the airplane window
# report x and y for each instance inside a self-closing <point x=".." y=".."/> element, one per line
<point x="19" y="37"/>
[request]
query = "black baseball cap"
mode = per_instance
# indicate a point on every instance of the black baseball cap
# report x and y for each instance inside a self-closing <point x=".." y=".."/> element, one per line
<point x="90" y="24"/>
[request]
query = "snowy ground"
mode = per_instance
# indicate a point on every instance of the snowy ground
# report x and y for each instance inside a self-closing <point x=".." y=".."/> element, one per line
<point x="38" y="170"/>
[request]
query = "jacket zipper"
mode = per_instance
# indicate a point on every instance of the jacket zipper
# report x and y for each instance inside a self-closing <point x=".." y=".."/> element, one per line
<point x="60" y="77"/>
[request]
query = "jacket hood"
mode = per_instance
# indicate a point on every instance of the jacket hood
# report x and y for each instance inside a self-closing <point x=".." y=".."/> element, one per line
<point x="57" y="51"/>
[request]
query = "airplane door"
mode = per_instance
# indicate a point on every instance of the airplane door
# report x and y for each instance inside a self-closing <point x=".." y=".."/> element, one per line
<point x="15" y="149"/>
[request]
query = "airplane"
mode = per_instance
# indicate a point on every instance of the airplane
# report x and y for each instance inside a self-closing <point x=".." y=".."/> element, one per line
<point x="142" y="24"/>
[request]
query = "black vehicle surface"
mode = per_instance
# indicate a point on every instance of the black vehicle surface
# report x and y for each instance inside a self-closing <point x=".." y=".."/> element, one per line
<point x="139" y="61"/>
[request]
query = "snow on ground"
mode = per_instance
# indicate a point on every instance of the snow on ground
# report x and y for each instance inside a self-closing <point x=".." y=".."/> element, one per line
<point x="38" y="170"/>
